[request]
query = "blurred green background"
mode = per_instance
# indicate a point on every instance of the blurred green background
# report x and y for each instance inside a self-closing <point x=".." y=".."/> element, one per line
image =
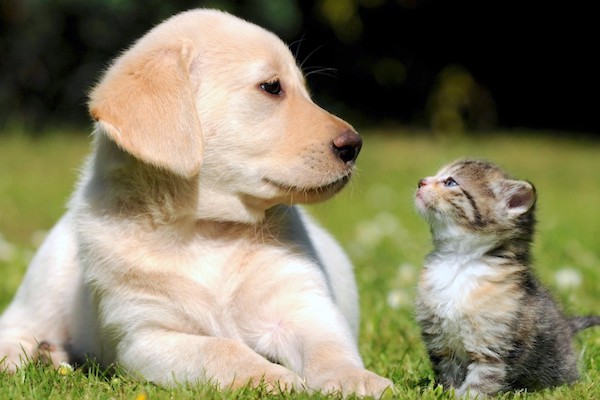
<point x="443" y="65"/>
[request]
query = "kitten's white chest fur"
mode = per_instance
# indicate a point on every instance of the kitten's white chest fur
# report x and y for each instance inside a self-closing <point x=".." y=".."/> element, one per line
<point x="458" y="295"/>
<point x="449" y="281"/>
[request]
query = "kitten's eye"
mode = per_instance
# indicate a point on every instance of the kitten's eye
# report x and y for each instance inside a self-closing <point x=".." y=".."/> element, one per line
<point x="449" y="182"/>
<point x="273" y="87"/>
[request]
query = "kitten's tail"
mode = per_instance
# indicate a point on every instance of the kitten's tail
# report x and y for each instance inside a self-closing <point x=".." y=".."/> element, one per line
<point x="580" y="323"/>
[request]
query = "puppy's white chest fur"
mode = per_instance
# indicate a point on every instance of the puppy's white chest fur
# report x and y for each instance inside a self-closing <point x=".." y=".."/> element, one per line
<point x="254" y="289"/>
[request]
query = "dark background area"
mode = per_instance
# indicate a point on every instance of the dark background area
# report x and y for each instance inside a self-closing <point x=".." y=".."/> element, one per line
<point x="443" y="65"/>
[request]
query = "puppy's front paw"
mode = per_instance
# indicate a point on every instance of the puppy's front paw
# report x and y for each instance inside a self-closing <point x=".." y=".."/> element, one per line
<point x="353" y="380"/>
<point x="275" y="378"/>
<point x="15" y="354"/>
<point x="51" y="354"/>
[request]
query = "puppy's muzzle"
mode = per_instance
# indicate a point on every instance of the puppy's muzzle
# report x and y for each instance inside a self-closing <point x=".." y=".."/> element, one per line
<point x="347" y="146"/>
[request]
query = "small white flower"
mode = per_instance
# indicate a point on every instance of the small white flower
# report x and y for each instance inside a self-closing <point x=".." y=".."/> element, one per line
<point x="65" y="368"/>
<point x="368" y="234"/>
<point x="567" y="278"/>
<point x="406" y="273"/>
<point x="371" y="232"/>
<point x="387" y="223"/>
<point x="7" y="250"/>
<point x="398" y="298"/>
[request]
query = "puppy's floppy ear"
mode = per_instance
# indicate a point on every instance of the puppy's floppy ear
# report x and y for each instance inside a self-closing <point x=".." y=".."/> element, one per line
<point x="145" y="103"/>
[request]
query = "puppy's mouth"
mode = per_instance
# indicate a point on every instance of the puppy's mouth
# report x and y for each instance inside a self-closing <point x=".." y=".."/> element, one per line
<point x="308" y="193"/>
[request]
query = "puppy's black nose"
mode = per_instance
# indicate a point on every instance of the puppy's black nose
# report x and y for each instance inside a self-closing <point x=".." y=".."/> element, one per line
<point x="347" y="146"/>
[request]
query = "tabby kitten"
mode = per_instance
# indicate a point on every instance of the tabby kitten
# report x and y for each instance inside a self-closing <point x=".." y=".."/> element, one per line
<point x="487" y="322"/>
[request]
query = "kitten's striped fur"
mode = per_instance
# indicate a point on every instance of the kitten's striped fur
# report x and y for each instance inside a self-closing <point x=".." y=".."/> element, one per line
<point x="488" y="323"/>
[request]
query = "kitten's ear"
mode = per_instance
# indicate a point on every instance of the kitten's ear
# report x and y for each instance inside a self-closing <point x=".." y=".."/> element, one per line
<point x="520" y="196"/>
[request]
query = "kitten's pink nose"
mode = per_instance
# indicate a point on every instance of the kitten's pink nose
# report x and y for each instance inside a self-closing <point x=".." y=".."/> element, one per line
<point x="422" y="182"/>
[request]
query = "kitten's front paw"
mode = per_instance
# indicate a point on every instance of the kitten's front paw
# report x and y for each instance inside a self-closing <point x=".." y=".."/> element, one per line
<point x="352" y="380"/>
<point x="465" y="393"/>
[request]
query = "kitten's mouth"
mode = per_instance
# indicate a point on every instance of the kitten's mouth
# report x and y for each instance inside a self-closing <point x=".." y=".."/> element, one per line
<point x="424" y="206"/>
<point x="420" y="200"/>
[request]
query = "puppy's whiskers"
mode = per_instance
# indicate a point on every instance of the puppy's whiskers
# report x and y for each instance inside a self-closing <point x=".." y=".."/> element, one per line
<point x="301" y="66"/>
<point x="297" y="42"/>
<point x="325" y="71"/>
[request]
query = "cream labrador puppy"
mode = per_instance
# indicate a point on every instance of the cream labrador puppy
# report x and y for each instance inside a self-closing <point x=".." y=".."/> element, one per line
<point x="182" y="257"/>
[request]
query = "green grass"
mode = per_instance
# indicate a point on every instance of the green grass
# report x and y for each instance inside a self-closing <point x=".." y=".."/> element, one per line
<point x="374" y="219"/>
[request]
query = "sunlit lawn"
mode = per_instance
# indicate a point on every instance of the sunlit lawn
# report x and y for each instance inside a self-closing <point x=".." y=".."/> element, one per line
<point x="374" y="220"/>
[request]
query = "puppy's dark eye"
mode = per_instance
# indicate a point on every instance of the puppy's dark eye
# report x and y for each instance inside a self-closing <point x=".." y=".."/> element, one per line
<point x="449" y="182"/>
<point x="273" y="87"/>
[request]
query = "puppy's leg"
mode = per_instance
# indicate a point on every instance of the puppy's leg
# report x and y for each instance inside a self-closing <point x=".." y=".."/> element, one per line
<point x="332" y="364"/>
<point x="310" y="335"/>
<point x="40" y="310"/>
<point x="295" y="322"/>
<point x="330" y="367"/>
<point x="20" y="345"/>
<point x="15" y="352"/>
<point x="52" y="354"/>
<point x="168" y="358"/>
